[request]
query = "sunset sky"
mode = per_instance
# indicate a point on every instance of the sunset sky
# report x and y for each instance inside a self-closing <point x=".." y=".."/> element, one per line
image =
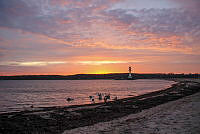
<point x="65" y="37"/>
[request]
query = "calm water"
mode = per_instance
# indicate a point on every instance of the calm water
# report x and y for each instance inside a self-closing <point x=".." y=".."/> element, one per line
<point x="16" y="95"/>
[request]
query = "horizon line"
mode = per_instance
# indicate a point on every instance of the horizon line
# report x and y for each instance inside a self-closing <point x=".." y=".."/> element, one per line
<point x="94" y="74"/>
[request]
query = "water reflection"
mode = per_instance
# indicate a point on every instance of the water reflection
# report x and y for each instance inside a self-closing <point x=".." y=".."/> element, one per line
<point x="20" y="94"/>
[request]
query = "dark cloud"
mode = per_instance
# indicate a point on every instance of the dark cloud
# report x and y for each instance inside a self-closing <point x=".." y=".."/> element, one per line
<point x="16" y="8"/>
<point x="13" y="12"/>
<point x="158" y="21"/>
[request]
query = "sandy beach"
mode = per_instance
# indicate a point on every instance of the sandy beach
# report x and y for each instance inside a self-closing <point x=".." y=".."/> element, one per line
<point x="177" y="117"/>
<point x="173" y="110"/>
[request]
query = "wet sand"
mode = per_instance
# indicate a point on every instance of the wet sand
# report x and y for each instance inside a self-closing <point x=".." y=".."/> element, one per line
<point x="54" y="120"/>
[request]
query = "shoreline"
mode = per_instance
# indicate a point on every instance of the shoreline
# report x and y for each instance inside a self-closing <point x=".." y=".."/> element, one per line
<point x="176" y="117"/>
<point x="58" y="119"/>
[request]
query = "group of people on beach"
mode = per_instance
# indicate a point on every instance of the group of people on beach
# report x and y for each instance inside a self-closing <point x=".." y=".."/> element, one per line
<point x="101" y="96"/>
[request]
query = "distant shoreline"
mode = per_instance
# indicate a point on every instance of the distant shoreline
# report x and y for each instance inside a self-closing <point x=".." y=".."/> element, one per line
<point x="115" y="76"/>
<point x="57" y="119"/>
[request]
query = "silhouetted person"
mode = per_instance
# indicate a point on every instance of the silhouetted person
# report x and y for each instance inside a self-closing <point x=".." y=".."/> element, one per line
<point x="100" y="96"/>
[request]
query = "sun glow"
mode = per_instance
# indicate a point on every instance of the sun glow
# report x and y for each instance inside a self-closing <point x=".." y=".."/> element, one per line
<point x="104" y="69"/>
<point x="101" y="72"/>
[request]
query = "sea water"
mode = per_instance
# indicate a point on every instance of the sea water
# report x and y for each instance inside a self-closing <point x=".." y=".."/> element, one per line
<point x="18" y="95"/>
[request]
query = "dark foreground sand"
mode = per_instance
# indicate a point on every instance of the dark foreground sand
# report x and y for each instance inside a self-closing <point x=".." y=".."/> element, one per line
<point x="131" y="115"/>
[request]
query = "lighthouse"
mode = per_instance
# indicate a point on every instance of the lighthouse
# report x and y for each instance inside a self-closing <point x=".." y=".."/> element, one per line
<point x="129" y="75"/>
